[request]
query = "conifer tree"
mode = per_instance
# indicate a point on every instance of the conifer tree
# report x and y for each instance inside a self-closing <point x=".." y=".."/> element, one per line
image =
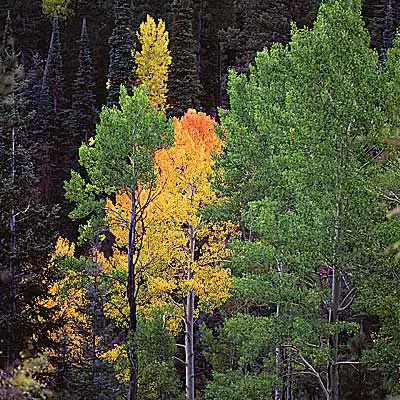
<point x="25" y="224"/>
<point x="59" y="151"/>
<point x="36" y="103"/>
<point x="53" y="77"/>
<point x="53" y="100"/>
<point x="184" y="84"/>
<point x="121" y="45"/>
<point x="83" y="98"/>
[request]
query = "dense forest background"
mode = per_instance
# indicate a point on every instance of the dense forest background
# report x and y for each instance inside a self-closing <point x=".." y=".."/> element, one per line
<point x="224" y="34"/>
<point x="305" y="309"/>
<point x="206" y="39"/>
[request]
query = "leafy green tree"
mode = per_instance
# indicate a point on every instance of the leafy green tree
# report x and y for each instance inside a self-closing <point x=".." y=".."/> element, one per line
<point x="380" y="297"/>
<point x="303" y="172"/>
<point x="121" y="159"/>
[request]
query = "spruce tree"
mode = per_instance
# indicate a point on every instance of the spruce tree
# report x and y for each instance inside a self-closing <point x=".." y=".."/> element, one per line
<point x="53" y="77"/>
<point x="121" y="45"/>
<point x="53" y="100"/>
<point x="26" y="231"/>
<point x="257" y="25"/>
<point x="36" y="104"/>
<point x="57" y="126"/>
<point x="83" y="98"/>
<point x="184" y="86"/>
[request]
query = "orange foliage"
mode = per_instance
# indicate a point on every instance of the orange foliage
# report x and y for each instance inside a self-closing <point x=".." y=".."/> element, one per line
<point x="183" y="189"/>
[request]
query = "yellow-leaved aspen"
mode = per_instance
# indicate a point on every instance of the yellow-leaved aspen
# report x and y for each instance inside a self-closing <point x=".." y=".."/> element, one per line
<point x="153" y="60"/>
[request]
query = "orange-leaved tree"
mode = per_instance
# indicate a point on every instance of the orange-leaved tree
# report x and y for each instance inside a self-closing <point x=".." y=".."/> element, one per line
<point x="182" y="256"/>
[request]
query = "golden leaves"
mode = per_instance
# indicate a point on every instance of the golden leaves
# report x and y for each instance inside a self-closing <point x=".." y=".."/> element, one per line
<point x="153" y="60"/>
<point x="63" y="248"/>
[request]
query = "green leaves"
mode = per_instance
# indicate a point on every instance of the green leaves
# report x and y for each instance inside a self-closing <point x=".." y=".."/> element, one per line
<point x="304" y="172"/>
<point x="126" y="139"/>
<point x="120" y="156"/>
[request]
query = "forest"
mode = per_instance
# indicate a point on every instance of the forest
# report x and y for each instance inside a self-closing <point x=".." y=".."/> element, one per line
<point x="199" y="200"/>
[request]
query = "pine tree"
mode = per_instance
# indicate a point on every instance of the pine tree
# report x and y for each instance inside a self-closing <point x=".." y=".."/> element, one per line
<point x="36" y="103"/>
<point x="53" y="77"/>
<point x="60" y="153"/>
<point x="121" y="45"/>
<point x="184" y="83"/>
<point x="257" y="24"/>
<point x="83" y="98"/>
<point x="53" y="100"/>
<point x="25" y="225"/>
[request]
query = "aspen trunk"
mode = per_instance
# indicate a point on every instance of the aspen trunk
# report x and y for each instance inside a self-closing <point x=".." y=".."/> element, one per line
<point x="189" y="351"/>
<point x="131" y="288"/>
<point x="189" y="346"/>
<point x="333" y="388"/>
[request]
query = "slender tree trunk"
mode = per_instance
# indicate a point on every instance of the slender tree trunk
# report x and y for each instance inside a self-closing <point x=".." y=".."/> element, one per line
<point x="189" y="351"/>
<point x="131" y="289"/>
<point x="189" y="346"/>
<point x="94" y="323"/>
<point x="277" y="390"/>
<point x="13" y="247"/>
<point x="333" y="367"/>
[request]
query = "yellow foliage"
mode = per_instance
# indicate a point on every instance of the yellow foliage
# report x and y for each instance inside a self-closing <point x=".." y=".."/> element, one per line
<point x="153" y="60"/>
<point x="117" y="356"/>
<point x="166" y="261"/>
<point x="70" y="300"/>
<point x="61" y="7"/>
<point x="63" y="248"/>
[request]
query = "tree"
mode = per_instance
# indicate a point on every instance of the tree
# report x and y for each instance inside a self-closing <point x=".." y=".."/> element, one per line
<point x="184" y="85"/>
<point x="60" y="7"/>
<point x="380" y="297"/>
<point x="254" y="27"/>
<point x="153" y="60"/>
<point x="26" y="225"/>
<point x="83" y="97"/>
<point x="121" y="45"/>
<point x="300" y="171"/>
<point x="55" y="126"/>
<point x="121" y="159"/>
<point x="76" y="300"/>
<point x="182" y="255"/>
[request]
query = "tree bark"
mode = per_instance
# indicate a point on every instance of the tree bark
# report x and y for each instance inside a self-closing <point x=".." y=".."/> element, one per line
<point x="189" y="351"/>
<point x="13" y="247"/>
<point x="333" y="367"/>
<point x="131" y="288"/>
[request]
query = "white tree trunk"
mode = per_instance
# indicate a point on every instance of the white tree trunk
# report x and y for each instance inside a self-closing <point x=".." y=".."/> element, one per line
<point x="189" y="311"/>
